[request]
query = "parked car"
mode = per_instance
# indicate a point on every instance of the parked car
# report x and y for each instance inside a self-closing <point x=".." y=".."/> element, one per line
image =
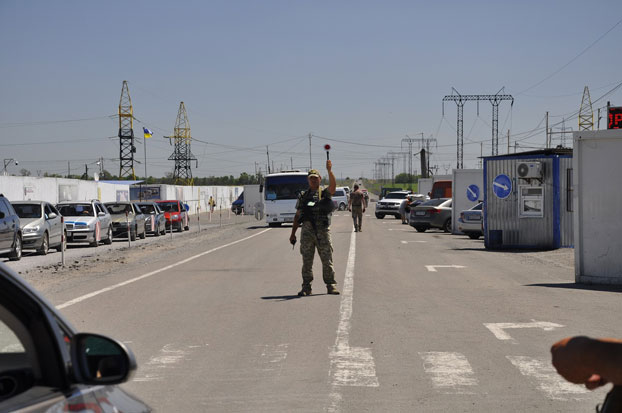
<point x="366" y="195"/>
<point x="155" y="222"/>
<point x="46" y="365"/>
<point x="41" y="225"/>
<point x="10" y="231"/>
<point x="176" y="214"/>
<point x="340" y="199"/>
<point x="86" y="221"/>
<point x="237" y="206"/>
<point x="390" y="204"/>
<point x="435" y="213"/>
<point x="124" y="213"/>
<point x="470" y="221"/>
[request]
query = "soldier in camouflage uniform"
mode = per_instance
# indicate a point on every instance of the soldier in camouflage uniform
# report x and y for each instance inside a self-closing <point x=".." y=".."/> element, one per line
<point x="313" y="213"/>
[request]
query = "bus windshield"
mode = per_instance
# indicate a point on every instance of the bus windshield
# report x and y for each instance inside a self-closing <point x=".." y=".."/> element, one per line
<point x="285" y="186"/>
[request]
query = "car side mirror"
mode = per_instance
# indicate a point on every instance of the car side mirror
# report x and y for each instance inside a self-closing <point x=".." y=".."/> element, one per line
<point x="101" y="214"/>
<point x="101" y="360"/>
<point x="52" y="215"/>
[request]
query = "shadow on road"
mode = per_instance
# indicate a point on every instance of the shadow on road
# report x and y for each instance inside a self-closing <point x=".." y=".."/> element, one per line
<point x="575" y="286"/>
<point x="281" y="297"/>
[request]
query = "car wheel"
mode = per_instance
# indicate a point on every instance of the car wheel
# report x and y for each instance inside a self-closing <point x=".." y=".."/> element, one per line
<point x="342" y="206"/>
<point x="474" y="235"/>
<point x="187" y="228"/>
<point x="16" y="254"/>
<point x="380" y="216"/>
<point x="133" y="234"/>
<point x="45" y="245"/>
<point x="108" y="239"/>
<point x="63" y="243"/>
<point x="447" y="225"/>
<point x="420" y="229"/>
<point x="179" y="227"/>
<point x="94" y="244"/>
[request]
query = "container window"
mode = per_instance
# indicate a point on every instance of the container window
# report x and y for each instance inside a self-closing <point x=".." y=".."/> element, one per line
<point x="531" y="202"/>
<point x="569" y="189"/>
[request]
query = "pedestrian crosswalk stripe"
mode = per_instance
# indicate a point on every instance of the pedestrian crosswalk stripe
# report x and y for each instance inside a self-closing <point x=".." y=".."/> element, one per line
<point x="450" y="372"/>
<point x="549" y="382"/>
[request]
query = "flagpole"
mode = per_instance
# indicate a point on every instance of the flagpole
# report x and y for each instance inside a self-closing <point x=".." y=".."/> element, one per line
<point x="145" y="145"/>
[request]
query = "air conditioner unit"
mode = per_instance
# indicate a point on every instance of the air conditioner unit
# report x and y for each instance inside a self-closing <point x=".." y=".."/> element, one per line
<point x="527" y="170"/>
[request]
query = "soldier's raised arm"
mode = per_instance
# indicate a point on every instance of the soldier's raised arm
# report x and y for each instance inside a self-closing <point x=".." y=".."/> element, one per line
<point x="332" y="182"/>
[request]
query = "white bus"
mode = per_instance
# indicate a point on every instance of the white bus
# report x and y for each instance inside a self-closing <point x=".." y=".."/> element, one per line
<point x="281" y="192"/>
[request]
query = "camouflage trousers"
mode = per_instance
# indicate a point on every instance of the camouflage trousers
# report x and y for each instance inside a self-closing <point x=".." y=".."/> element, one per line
<point x="310" y="240"/>
<point x="357" y="216"/>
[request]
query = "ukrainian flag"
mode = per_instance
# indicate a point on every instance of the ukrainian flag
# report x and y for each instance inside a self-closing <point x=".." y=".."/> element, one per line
<point x="147" y="133"/>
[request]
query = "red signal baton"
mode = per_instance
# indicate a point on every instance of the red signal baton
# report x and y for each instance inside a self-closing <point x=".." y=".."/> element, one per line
<point x="327" y="149"/>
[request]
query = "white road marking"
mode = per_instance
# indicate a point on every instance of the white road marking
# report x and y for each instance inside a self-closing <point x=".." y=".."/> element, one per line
<point x="406" y="242"/>
<point x="451" y="372"/>
<point x="498" y="329"/>
<point x="349" y="366"/>
<point x="149" y="274"/>
<point x="549" y="382"/>
<point x="398" y="229"/>
<point x="432" y="268"/>
<point x="168" y="357"/>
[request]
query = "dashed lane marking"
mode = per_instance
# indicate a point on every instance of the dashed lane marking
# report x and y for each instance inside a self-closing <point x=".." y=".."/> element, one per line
<point x="149" y="274"/>
<point x="432" y="268"/>
<point x="450" y="372"/>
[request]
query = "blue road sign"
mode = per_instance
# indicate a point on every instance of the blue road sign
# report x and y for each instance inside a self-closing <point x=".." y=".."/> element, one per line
<point x="472" y="193"/>
<point x="502" y="186"/>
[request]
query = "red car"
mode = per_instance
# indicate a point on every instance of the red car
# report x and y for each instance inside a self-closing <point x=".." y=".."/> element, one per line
<point x="176" y="214"/>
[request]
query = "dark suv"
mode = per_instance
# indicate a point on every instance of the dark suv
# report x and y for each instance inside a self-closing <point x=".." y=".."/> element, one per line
<point x="10" y="233"/>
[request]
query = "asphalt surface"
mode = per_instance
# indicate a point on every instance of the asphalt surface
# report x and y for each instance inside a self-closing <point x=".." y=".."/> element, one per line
<point x="425" y="322"/>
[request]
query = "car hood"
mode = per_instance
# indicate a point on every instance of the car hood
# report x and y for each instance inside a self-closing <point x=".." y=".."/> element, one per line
<point x="24" y="222"/>
<point x="391" y="201"/>
<point x="121" y="217"/>
<point x="88" y="220"/>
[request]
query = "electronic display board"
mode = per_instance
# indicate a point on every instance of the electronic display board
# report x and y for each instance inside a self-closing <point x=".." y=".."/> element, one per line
<point x="614" y="118"/>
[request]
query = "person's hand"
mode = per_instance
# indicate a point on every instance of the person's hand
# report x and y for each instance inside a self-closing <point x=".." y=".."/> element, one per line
<point x="571" y="359"/>
<point x="363" y="210"/>
<point x="329" y="165"/>
<point x="292" y="239"/>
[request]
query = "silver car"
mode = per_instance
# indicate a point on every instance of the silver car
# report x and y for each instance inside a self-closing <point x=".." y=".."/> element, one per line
<point x="390" y="204"/>
<point x="86" y="221"/>
<point x="470" y="221"/>
<point x="155" y="222"/>
<point x="126" y="214"/>
<point x="41" y="225"/>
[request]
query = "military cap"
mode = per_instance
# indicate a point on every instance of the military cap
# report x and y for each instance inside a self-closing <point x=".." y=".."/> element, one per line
<point x="314" y="172"/>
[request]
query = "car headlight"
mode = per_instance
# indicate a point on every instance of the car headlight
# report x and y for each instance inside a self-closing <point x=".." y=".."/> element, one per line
<point x="29" y="230"/>
<point x="175" y="216"/>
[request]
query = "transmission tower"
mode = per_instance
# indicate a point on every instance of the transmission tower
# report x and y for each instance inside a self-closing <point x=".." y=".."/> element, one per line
<point x="460" y="100"/>
<point x="182" y="155"/>
<point x="586" y="114"/>
<point x="126" y="134"/>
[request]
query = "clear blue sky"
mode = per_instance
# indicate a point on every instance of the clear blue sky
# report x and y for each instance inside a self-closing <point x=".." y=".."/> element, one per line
<point x="252" y="73"/>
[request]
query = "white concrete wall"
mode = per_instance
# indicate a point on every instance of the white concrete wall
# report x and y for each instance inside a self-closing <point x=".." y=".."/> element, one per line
<point x="462" y="179"/>
<point x="55" y="190"/>
<point x="425" y="185"/>
<point x="597" y="203"/>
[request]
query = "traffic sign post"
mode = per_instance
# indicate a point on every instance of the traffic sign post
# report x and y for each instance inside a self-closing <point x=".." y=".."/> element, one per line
<point x="472" y="193"/>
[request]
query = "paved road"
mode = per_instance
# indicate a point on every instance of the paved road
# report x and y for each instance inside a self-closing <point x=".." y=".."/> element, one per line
<point x="426" y="322"/>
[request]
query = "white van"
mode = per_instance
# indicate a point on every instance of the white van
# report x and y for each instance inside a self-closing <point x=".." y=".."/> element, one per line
<point x="340" y="199"/>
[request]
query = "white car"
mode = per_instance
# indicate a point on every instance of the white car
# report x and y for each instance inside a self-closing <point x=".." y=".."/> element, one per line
<point x="86" y="221"/>
<point x="340" y="199"/>
<point x="390" y="204"/>
<point x="470" y="221"/>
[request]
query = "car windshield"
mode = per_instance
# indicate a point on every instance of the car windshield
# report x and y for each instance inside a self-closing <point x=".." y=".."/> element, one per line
<point x="339" y="193"/>
<point x="285" y="187"/>
<point x="433" y="202"/>
<point x="75" y="210"/>
<point x="27" y="210"/>
<point x="396" y="195"/>
<point x="119" y="208"/>
<point x="169" y="206"/>
<point x="147" y="208"/>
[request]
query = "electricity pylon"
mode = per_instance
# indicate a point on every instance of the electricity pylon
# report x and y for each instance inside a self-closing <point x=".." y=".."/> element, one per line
<point x="182" y="155"/>
<point x="126" y="134"/>
<point x="586" y="113"/>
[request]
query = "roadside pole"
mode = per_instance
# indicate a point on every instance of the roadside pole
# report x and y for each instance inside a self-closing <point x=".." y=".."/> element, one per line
<point x="199" y="217"/>
<point x="220" y="216"/>
<point x="63" y="241"/>
<point x="129" y="234"/>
